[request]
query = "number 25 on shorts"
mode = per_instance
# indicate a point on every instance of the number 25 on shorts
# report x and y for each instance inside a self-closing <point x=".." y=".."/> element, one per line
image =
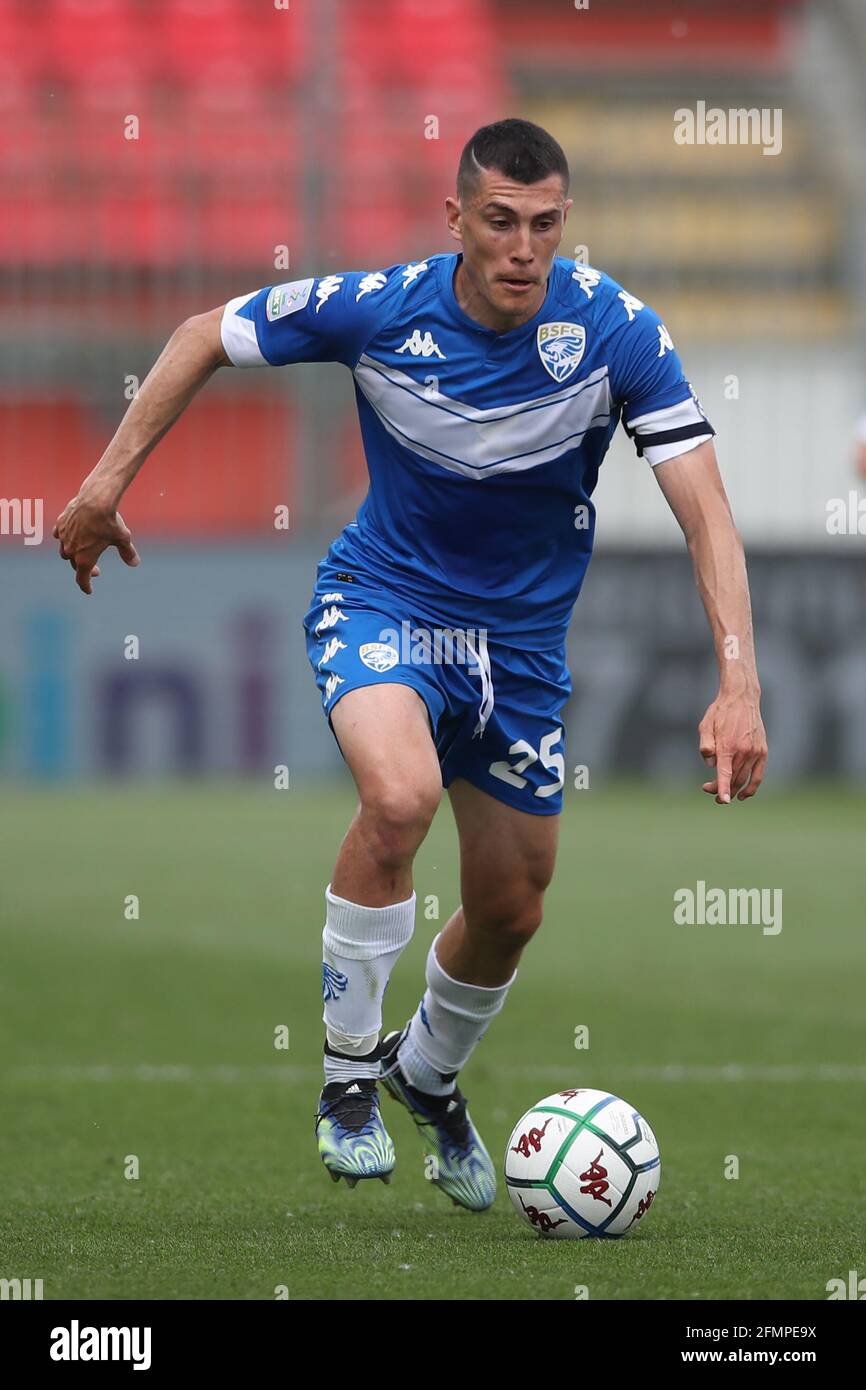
<point x="554" y="762"/>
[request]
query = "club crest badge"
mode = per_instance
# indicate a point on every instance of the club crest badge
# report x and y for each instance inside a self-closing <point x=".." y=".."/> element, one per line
<point x="378" y="656"/>
<point x="561" y="347"/>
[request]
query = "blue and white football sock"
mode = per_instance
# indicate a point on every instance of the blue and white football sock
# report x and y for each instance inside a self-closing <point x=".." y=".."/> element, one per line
<point x="360" y="947"/>
<point x="446" y="1027"/>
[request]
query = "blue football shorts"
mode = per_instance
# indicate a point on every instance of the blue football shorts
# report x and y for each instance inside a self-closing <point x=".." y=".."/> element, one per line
<point x="495" y="711"/>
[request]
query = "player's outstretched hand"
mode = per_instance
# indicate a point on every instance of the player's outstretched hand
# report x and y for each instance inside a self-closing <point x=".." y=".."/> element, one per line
<point x="733" y="741"/>
<point x="84" y="529"/>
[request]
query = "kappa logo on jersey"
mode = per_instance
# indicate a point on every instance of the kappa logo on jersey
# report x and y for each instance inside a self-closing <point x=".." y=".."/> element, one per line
<point x="561" y="347"/>
<point x="327" y="286"/>
<point x="665" y="341"/>
<point x="411" y="273"/>
<point x="288" y="299"/>
<point x="378" y="656"/>
<point x="633" y="305"/>
<point x="587" y="278"/>
<point x="374" y="281"/>
<point x="421" y="346"/>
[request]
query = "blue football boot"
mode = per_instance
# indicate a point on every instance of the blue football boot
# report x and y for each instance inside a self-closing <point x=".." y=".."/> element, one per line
<point x="460" y="1164"/>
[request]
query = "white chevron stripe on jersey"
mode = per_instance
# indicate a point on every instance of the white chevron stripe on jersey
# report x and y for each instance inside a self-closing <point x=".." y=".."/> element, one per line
<point x="478" y="443"/>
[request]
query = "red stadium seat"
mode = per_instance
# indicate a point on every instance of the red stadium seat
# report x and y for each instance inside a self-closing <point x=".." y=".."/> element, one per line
<point x="27" y="150"/>
<point x="94" y="145"/>
<point x="364" y="39"/>
<point x="243" y="135"/>
<point x="19" y="38"/>
<point x="50" y="439"/>
<point x="80" y="37"/>
<point x="221" y="470"/>
<point x="245" y="231"/>
<point x="198" y="35"/>
<point x="144" y="230"/>
<point x="655" y="35"/>
<point x="45" y="230"/>
<point x="368" y="147"/>
<point x="378" y="230"/>
<point x="427" y="33"/>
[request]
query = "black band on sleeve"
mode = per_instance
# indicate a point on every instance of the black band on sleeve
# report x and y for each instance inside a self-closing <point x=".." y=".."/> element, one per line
<point x="669" y="436"/>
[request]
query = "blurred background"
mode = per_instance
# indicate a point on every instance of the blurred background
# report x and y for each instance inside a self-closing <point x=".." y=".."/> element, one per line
<point x="160" y="156"/>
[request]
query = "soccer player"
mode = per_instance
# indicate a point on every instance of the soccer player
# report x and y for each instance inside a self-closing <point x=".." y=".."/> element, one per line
<point x="489" y="383"/>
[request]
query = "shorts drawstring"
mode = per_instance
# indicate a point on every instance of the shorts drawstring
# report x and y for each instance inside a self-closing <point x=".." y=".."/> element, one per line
<point x="485" y="708"/>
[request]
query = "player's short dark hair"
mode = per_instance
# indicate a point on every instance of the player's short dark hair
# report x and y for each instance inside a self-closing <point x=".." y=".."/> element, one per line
<point x="518" y="149"/>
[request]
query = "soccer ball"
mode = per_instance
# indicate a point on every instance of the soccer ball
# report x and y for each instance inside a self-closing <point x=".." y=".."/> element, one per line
<point x="582" y="1163"/>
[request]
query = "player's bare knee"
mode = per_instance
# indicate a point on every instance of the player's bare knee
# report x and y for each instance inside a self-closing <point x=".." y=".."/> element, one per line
<point x="396" y="819"/>
<point x="517" y="934"/>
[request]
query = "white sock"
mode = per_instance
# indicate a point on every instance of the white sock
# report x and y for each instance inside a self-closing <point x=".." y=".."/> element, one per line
<point x="450" y="1021"/>
<point x="360" y="947"/>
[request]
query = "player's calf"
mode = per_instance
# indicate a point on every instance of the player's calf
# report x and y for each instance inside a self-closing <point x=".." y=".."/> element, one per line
<point x="370" y="907"/>
<point x="502" y="930"/>
<point x="484" y="942"/>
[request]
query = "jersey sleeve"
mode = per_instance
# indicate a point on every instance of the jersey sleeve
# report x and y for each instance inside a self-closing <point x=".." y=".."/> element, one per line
<point x="660" y="410"/>
<point x="324" y="319"/>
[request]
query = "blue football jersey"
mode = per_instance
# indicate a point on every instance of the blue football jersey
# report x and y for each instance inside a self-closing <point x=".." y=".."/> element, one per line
<point x="483" y="448"/>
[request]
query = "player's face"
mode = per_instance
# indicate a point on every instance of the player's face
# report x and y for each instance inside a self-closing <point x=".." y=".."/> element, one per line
<point x="510" y="233"/>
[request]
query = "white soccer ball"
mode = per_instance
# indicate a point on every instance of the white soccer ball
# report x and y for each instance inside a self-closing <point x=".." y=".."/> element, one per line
<point x="582" y="1163"/>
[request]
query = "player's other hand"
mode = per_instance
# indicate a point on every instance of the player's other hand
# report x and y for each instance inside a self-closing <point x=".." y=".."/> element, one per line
<point x="733" y="741"/>
<point x="85" y="528"/>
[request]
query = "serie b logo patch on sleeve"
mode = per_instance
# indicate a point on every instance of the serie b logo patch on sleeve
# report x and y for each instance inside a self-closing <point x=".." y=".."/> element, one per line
<point x="288" y="299"/>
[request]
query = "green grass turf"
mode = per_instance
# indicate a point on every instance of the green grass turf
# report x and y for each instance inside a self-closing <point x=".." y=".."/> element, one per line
<point x="232" y="1200"/>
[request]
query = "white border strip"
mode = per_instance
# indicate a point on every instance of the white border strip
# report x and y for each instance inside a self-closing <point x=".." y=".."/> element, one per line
<point x="579" y="1074"/>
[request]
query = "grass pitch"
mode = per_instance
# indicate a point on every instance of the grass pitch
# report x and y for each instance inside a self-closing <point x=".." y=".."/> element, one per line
<point x="148" y="1045"/>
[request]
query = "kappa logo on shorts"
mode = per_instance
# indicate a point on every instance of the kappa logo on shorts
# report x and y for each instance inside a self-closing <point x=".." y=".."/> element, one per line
<point x="378" y="656"/>
<point x="561" y="347"/>
<point x="331" y="648"/>
<point x="330" y="618"/>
